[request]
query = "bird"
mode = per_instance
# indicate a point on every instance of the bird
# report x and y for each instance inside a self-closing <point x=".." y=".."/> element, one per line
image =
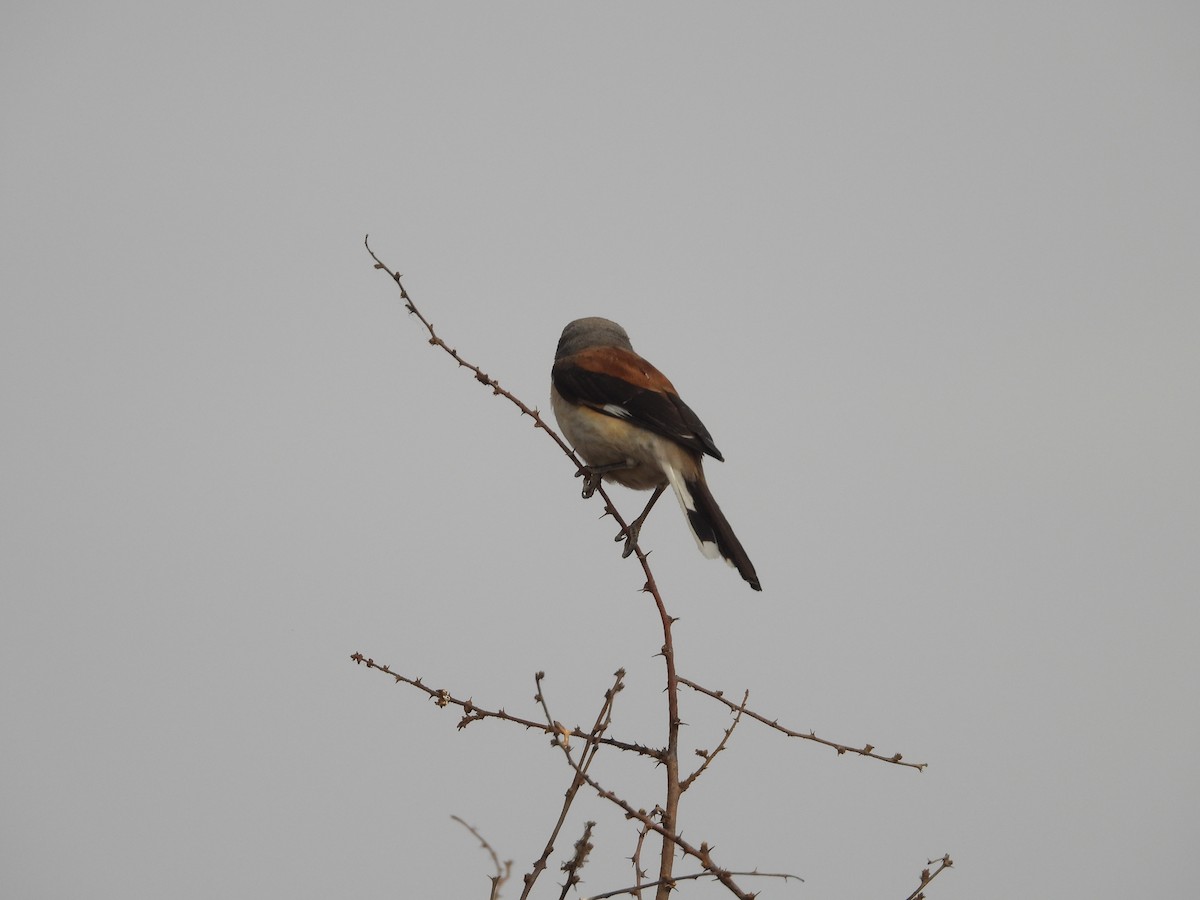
<point x="625" y="418"/>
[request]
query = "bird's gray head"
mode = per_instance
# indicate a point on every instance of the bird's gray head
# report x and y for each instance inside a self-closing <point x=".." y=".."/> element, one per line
<point x="591" y="332"/>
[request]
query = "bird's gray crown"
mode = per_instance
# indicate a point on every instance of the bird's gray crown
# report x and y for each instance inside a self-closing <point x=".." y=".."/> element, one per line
<point x="591" y="332"/>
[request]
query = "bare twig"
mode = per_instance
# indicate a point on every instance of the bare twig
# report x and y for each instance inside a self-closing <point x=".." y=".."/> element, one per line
<point x="670" y="807"/>
<point x="583" y="847"/>
<point x="865" y="750"/>
<point x="562" y="739"/>
<point x="634" y="889"/>
<point x="475" y="713"/>
<point x="944" y="863"/>
<point x="502" y="871"/>
<point x="638" y="872"/>
<point x="709" y="757"/>
<point x="481" y="376"/>
<point x="702" y="854"/>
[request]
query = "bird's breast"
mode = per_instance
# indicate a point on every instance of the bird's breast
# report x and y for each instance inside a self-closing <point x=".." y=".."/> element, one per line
<point x="603" y="439"/>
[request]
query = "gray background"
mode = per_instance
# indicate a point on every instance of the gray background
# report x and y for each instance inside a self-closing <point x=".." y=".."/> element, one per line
<point x="927" y="271"/>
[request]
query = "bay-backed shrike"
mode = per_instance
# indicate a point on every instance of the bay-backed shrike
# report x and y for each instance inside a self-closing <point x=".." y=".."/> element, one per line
<point x="628" y="423"/>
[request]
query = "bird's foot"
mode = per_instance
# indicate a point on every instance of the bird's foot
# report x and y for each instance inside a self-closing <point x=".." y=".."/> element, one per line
<point x="631" y="531"/>
<point x="629" y="534"/>
<point x="592" y="475"/>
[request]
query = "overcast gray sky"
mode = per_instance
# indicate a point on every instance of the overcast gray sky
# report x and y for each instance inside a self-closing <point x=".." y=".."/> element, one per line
<point x="929" y="273"/>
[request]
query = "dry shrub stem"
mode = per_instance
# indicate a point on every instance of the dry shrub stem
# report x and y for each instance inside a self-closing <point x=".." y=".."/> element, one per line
<point x="639" y="874"/>
<point x="583" y="848"/>
<point x="709" y="757"/>
<point x="865" y="750"/>
<point x="476" y="713"/>
<point x="694" y="876"/>
<point x="503" y="871"/>
<point x="664" y="819"/>
<point x="943" y="864"/>
<point x="562" y="740"/>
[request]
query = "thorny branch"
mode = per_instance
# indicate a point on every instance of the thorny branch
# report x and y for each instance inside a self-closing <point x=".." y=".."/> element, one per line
<point x="563" y="740"/>
<point x="638" y="872"/>
<point x="865" y="750"/>
<point x="481" y="376"/>
<point x="583" y="847"/>
<point x="701" y="854"/>
<point x="475" y="713"/>
<point x="502" y="871"/>
<point x="694" y="876"/>
<point x="944" y="863"/>
<point x="709" y="757"/>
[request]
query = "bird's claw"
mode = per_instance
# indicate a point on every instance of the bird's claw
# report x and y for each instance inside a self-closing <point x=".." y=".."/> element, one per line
<point x="592" y="475"/>
<point x="629" y="534"/>
<point x="591" y="481"/>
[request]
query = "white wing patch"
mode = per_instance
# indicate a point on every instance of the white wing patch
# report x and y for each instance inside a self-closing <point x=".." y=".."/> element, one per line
<point x="619" y="411"/>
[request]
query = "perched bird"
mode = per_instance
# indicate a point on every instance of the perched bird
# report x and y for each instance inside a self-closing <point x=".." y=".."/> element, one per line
<point x="627" y="422"/>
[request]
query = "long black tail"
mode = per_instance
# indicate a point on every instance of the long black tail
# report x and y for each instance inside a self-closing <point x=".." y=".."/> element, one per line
<point x="712" y="530"/>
